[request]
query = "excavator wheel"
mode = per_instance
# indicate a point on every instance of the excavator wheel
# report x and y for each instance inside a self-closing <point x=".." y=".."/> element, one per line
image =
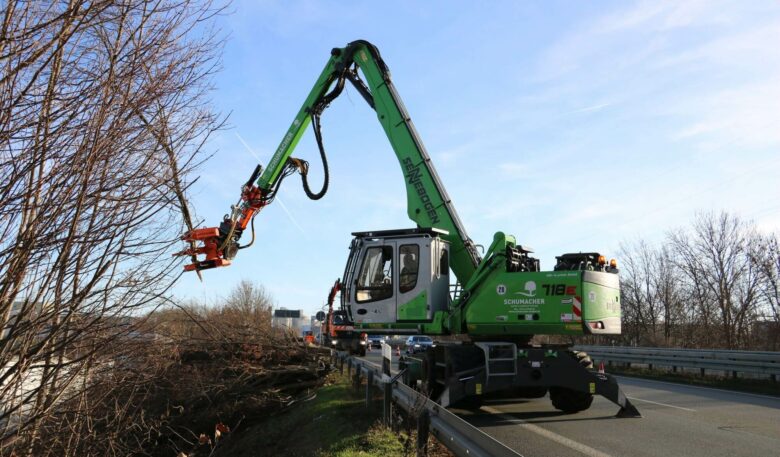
<point x="572" y="401"/>
<point x="531" y="392"/>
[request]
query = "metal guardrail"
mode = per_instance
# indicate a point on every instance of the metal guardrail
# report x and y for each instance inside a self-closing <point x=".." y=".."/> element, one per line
<point x="460" y="437"/>
<point x="754" y="362"/>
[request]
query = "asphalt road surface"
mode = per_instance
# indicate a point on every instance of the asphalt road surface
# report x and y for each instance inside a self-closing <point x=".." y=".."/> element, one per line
<point x="678" y="420"/>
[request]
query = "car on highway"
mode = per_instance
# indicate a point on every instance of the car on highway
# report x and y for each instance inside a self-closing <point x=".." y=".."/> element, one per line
<point x="418" y="343"/>
<point x="376" y="340"/>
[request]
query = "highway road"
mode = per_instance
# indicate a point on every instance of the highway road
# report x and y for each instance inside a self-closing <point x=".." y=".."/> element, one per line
<point x="679" y="420"/>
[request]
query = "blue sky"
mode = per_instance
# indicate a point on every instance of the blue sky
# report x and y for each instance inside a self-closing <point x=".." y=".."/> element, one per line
<point x="572" y="125"/>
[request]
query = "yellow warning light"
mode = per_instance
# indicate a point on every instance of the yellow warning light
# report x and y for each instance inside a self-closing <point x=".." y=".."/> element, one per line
<point x="613" y="263"/>
<point x="602" y="260"/>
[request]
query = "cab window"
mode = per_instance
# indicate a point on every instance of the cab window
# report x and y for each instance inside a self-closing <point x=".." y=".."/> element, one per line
<point x="375" y="281"/>
<point x="444" y="263"/>
<point x="409" y="256"/>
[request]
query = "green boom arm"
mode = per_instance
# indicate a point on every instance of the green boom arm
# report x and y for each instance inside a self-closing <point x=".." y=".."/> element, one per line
<point x="428" y="204"/>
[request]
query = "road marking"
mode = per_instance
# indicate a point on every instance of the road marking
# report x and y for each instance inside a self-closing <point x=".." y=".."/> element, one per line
<point x="560" y="439"/>
<point x="661" y="404"/>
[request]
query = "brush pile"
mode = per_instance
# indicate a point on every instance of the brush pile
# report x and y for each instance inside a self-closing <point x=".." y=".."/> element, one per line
<point x="214" y="391"/>
<point x="185" y="381"/>
<point x="221" y="370"/>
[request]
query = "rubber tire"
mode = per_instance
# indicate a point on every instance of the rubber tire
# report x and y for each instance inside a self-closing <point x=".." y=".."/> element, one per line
<point x="531" y="392"/>
<point x="572" y="401"/>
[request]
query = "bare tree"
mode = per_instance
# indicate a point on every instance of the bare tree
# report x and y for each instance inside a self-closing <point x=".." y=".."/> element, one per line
<point x="103" y="114"/>
<point x="716" y="257"/>
<point x="640" y="303"/>
<point x="667" y="287"/>
<point x="711" y="285"/>
<point x="767" y="259"/>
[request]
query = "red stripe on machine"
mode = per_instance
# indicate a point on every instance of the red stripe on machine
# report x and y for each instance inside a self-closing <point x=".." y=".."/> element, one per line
<point x="576" y="307"/>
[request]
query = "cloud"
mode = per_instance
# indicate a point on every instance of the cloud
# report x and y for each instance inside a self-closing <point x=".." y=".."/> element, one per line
<point x="746" y="115"/>
<point x="663" y="15"/>
<point x="677" y="67"/>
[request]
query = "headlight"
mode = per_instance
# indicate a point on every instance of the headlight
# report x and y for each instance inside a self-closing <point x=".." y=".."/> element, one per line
<point x="363" y="343"/>
<point x="416" y="345"/>
<point x="333" y="342"/>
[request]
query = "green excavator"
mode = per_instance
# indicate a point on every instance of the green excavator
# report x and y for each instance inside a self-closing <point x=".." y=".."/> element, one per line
<point x="399" y="281"/>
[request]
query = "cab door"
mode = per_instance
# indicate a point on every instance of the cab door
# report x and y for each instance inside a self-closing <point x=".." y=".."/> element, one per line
<point x="373" y="285"/>
<point x="414" y="277"/>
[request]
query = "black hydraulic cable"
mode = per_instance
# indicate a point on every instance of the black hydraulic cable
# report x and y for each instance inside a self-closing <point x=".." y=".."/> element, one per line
<point x="316" y="111"/>
<point x="315" y="121"/>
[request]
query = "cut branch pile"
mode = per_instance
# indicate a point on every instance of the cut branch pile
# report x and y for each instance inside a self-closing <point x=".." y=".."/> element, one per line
<point x="187" y="380"/>
<point x="212" y="386"/>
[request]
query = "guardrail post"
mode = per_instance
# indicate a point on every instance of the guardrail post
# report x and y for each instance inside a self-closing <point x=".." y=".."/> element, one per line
<point x="773" y="377"/>
<point x="423" y="427"/>
<point x="356" y="378"/>
<point x="387" y="401"/>
<point x="369" y="386"/>
<point x="674" y="369"/>
<point x="349" y="367"/>
<point x="341" y="365"/>
<point x="702" y="371"/>
<point x="734" y="374"/>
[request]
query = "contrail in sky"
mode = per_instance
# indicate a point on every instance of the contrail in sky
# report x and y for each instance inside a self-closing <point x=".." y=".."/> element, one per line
<point x="277" y="198"/>
<point x="590" y="108"/>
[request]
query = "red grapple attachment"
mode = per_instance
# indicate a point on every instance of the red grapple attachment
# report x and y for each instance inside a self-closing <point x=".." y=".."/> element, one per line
<point x="209" y="239"/>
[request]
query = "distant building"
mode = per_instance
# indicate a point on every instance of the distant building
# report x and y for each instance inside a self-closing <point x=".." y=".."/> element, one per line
<point x="293" y="319"/>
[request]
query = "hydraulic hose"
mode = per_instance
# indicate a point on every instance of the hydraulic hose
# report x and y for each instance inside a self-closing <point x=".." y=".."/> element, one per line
<point x="315" y="122"/>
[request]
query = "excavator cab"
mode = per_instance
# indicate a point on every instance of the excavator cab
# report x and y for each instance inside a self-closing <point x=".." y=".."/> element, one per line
<point x="397" y="276"/>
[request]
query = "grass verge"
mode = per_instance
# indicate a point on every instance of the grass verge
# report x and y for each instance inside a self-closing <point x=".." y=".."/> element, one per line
<point x="336" y="423"/>
<point x="758" y="386"/>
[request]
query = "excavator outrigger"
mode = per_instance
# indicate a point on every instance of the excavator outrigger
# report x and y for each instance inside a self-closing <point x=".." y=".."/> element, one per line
<point x="398" y="281"/>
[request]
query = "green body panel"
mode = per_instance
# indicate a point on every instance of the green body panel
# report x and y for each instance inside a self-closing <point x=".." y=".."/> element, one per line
<point x="527" y="303"/>
<point x="435" y="327"/>
<point x="600" y="302"/>
<point x="415" y="309"/>
<point x="555" y="302"/>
